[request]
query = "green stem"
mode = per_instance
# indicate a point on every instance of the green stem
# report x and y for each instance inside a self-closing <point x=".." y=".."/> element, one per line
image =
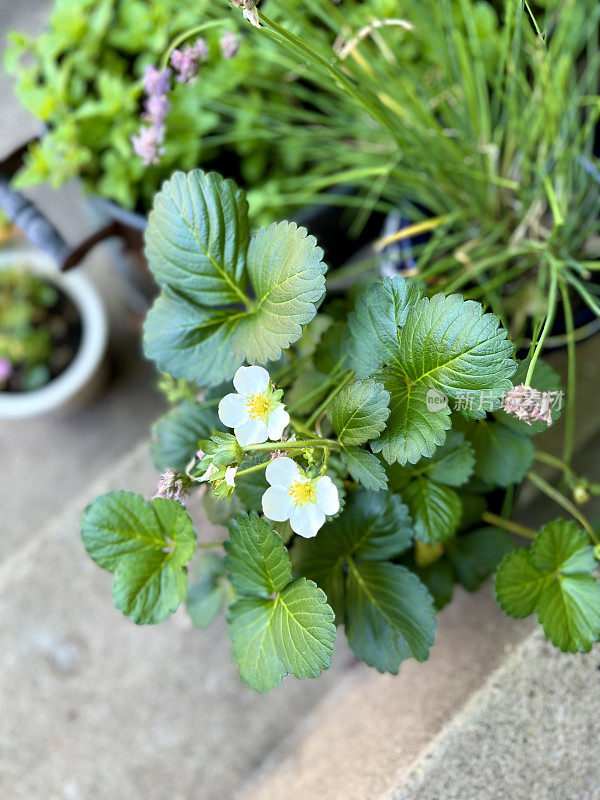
<point x="268" y="446"/>
<point x="252" y="469"/>
<point x="569" y="438"/>
<point x="563" y="501"/>
<point x="331" y="396"/>
<point x="325" y="460"/>
<point x="183" y="37"/>
<point x="208" y="545"/>
<point x="554" y="461"/>
<point x="287" y="38"/>
<point x="551" y="308"/>
<point x="508" y="525"/>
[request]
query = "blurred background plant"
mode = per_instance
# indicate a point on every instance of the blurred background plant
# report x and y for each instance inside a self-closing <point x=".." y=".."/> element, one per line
<point x="483" y="139"/>
<point x="39" y="330"/>
<point x="249" y="113"/>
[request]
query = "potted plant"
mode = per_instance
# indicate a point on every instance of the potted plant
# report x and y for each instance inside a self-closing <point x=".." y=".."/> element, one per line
<point x="129" y="90"/>
<point x="355" y="460"/>
<point x="53" y="334"/>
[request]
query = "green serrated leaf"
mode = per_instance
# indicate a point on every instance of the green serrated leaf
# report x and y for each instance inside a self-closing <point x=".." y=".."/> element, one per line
<point x="435" y="510"/>
<point x="554" y="578"/>
<point x="257" y="560"/>
<point x="287" y="274"/>
<point x="291" y="634"/>
<point x="380" y="311"/>
<point x="452" y="464"/>
<point x="358" y="413"/>
<point x="389" y="615"/>
<point x="439" y="347"/>
<point x="365" y="468"/>
<point x="147" y="546"/>
<point x="177" y="434"/>
<point x="197" y="238"/>
<point x="373" y="526"/>
<point x="502" y="456"/>
<point x="412" y="430"/>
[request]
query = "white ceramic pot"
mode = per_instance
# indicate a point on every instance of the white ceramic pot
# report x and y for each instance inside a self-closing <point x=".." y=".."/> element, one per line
<point x="76" y="382"/>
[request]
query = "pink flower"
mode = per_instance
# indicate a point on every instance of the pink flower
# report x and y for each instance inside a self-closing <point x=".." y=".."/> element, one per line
<point x="147" y="144"/>
<point x="157" y="107"/>
<point x="230" y="44"/>
<point x="157" y="81"/>
<point x="186" y="61"/>
<point x="171" y="485"/>
<point x="528" y="404"/>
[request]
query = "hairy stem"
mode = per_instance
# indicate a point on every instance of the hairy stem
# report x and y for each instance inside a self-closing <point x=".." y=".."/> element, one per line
<point x="563" y="501"/>
<point x="508" y="525"/>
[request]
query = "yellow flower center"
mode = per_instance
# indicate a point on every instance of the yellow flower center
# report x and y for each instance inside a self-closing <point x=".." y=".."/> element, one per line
<point x="259" y="406"/>
<point x="302" y="493"/>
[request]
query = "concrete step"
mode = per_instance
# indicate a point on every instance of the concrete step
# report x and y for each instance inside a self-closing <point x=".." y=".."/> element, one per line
<point x="94" y="707"/>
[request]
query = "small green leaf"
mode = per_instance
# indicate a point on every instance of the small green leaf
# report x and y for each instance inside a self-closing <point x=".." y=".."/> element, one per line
<point x="365" y="468"/>
<point x="358" y="413"/>
<point x="452" y="464"/>
<point x="177" y="435"/>
<point x="502" y="456"/>
<point x="257" y="560"/>
<point x="290" y="634"/>
<point x="222" y="450"/>
<point x="554" y="578"/>
<point x="435" y="510"/>
<point x="389" y="615"/>
<point x="147" y="546"/>
<point x="439" y="580"/>
<point x="476" y="554"/>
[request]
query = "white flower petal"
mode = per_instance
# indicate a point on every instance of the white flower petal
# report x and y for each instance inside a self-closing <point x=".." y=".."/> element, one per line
<point x="211" y="470"/>
<point x="282" y="471"/>
<point x="233" y="410"/>
<point x="230" y="476"/>
<point x="326" y="495"/>
<point x="277" y="504"/>
<point x="306" y="520"/>
<point x="253" y="431"/>
<point x="278" y="419"/>
<point x="251" y="380"/>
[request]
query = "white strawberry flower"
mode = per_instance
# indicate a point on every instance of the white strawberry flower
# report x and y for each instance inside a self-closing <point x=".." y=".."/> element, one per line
<point x="293" y="495"/>
<point x="254" y="413"/>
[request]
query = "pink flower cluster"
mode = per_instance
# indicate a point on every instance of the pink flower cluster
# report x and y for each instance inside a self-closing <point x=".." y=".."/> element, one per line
<point x="148" y="143"/>
<point x="149" y="140"/>
<point x="528" y="404"/>
<point x="172" y="485"/>
<point x="186" y="61"/>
